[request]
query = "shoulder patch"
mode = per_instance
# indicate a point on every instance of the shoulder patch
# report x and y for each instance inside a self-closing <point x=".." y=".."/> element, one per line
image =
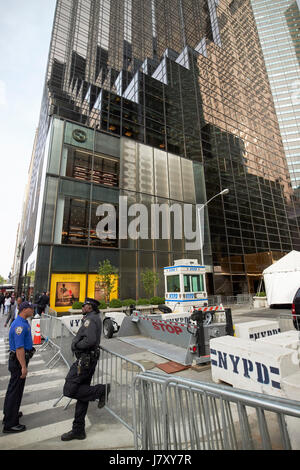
<point x="86" y="323"/>
<point x="18" y="330"/>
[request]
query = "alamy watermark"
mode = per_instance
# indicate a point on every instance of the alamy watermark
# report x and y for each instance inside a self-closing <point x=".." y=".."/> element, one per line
<point x="157" y="221"/>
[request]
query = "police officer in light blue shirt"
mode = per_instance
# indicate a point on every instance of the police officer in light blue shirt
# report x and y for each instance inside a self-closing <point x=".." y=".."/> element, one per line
<point x="21" y="351"/>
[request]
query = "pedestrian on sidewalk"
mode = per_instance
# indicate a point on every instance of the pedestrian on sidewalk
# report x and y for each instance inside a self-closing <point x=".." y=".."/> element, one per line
<point x="21" y="351"/>
<point x="7" y="304"/>
<point x="2" y="298"/>
<point x="86" y="346"/>
<point x="42" y="303"/>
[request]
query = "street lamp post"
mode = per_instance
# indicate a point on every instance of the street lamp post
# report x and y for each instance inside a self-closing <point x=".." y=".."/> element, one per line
<point x="222" y="193"/>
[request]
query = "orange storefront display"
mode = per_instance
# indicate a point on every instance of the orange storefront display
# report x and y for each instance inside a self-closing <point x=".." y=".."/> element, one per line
<point x="65" y="290"/>
<point x="69" y="288"/>
<point x="96" y="289"/>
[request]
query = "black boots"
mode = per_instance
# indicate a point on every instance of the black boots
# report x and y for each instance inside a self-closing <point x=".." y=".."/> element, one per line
<point x="14" y="429"/>
<point x="69" y="436"/>
<point x="104" y="396"/>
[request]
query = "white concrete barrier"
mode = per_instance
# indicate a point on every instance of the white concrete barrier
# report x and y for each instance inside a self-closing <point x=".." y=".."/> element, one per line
<point x="256" y="329"/>
<point x="291" y="389"/>
<point x="287" y="339"/>
<point x="251" y="365"/>
<point x="72" y="322"/>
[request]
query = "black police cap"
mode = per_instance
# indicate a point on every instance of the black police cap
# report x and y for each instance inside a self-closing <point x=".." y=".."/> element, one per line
<point x="93" y="302"/>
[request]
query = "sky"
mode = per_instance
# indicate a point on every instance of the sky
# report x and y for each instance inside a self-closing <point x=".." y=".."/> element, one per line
<point x="25" y="32"/>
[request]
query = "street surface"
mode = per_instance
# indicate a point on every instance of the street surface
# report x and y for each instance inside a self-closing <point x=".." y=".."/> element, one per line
<point x="45" y="424"/>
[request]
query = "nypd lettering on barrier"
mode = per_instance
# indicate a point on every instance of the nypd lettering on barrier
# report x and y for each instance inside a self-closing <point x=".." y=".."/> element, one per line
<point x="75" y="323"/>
<point x="241" y="366"/>
<point x="264" y="334"/>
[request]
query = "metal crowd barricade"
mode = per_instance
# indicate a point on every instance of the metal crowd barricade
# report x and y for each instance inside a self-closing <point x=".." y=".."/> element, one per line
<point x="120" y="372"/>
<point x="240" y="299"/>
<point x="179" y="414"/>
<point x="112" y="368"/>
<point x="51" y="330"/>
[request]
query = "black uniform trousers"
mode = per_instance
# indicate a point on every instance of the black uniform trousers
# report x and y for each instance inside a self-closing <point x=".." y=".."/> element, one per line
<point x="78" y="386"/>
<point x="14" y="394"/>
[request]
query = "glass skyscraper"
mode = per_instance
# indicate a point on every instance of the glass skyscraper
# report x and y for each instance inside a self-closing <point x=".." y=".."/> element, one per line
<point x="162" y="102"/>
<point x="278" y="24"/>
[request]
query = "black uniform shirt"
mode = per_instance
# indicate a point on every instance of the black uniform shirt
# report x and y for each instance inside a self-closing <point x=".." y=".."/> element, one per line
<point x="89" y="334"/>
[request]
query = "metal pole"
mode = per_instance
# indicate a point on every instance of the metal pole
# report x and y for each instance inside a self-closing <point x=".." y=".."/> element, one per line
<point x="221" y="193"/>
<point x="200" y="233"/>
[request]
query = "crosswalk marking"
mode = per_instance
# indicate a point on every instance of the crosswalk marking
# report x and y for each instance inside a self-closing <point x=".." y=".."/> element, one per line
<point x="4" y="358"/>
<point x="38" y="373"/>
<point x="32" y="364"/>
<point x="31" y="436"/>
<point x="5" y="354"/>
<point x="38" y="387"/>
<point x="43" y="406"/>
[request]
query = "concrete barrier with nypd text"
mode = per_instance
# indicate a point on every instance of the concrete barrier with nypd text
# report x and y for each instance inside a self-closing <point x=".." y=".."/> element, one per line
<point x="291" y="390"/>
<point x="290" y="385"/>
<point x="72" y="322"/>
<point x="251" y="365"/>
<point x="256" y="329"/>
<point x="288" y="339"/>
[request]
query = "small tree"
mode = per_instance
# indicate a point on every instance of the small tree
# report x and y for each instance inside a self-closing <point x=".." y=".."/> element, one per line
<point x="150" y="281"/>
<point x="31" y="274"/>
<point x="107" y="276"/>
<point x="2" y="280"/>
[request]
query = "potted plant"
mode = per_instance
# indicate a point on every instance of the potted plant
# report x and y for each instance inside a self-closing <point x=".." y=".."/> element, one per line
<point x="260" y="300"/>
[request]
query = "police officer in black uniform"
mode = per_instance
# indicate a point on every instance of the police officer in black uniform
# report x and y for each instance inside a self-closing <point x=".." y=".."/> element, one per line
<point x="86" y="347"/>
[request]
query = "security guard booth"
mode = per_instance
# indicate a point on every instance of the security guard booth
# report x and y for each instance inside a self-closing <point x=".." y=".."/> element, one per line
<point x="185" y="285"/>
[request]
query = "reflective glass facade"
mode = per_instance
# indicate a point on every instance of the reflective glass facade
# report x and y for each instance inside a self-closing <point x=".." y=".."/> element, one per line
<point x="161" y="101"/>
<point x="278" y="24"/>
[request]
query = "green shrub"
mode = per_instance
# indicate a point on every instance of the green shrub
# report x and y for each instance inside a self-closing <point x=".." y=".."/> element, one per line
<point x="260" y="294"/>
<point x="77" y="305"/>
<point x="157" y="300"/>
<point x="128" y="302"/>
<point x="115" y="303"/>
<point x="143" y="302"/>
<point x="102" y="305"/>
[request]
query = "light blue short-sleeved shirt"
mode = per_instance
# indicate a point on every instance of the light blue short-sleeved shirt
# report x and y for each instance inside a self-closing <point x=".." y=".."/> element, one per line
<point x="20" y="335"/>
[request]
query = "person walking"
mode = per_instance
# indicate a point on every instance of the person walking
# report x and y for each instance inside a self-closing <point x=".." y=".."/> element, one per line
<point x="42" y="303"/>
<point x="2" y="299"/>
<point x="14" y="312"/>
<point x="86" y="346"/>
<point x="21" y="351"/>
<point x="7" y="304"/>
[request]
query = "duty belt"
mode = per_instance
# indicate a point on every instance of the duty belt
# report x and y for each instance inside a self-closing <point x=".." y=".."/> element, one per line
<point x="94" y="354"/>
<point x="28" y="354"/>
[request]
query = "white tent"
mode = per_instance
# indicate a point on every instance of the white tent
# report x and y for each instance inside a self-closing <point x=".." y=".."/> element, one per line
<point x="282" y="279"/>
